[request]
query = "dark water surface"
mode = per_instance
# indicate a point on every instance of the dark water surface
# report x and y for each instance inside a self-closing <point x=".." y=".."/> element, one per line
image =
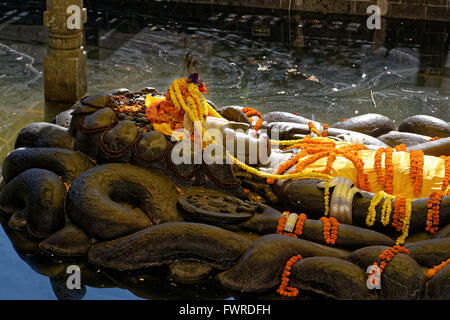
<point x="322" y="69"/>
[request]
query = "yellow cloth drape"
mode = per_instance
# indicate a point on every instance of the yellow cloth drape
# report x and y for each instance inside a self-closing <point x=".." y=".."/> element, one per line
<point x="433" y="172"/>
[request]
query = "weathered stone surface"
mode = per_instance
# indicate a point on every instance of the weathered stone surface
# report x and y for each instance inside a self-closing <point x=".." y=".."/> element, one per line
<point x="439" y="285"/>
<point x="150" y="90"/>
<point x="189" y="271"/>
<point x="401" y="279"/>
<point x="69" y="241"/>
<point x="281" y="116"/>
<point x="265" y="220"/>
<point x="64" y="118"/>
<point x="121" y="136"/>
<point x="349" y="237"/>
<point x="214" y="207"/>
<point x="395" y="138"/>
<point x="290" y="130"/>
<point x="65" y="72"/>
<point x="18" y="220"/>
<point x="426" y="125"/>
<point x="371" y="124"/>
<point x="42" y="195"/>
<point x="119" y="91"/>
<point x="170" y="242"/>
<point x="44" y="135"/>
<point x="331" y="277"/>
<point x="233" y="113"/>
<point x="65" y="163"/>
<point x="152" y="145"/>
<point x="418" y="236"/>
<point x="102" y="118"/>
<point x="430" y="252"/>
<point x="444" y="232"/>
<point x="435" y="148"/>
<point x="97" y="101"/>
<point x="260" y="267"/>
<point x="2" y="183"/>
<point x="116" y="199"/>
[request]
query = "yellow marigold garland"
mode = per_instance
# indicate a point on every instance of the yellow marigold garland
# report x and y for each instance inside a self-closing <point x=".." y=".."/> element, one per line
<point x="372" y="213"/>
<point x="326" y="198"/>
<point x="387" y="209"/>
<point x="406" y="221"/>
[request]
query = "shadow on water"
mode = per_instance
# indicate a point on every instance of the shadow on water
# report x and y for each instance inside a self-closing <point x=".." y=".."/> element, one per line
<point x="154" y="283"/>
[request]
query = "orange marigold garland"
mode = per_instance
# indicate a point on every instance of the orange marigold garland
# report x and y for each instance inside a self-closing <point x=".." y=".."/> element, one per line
<point x="282" y="222"/>
<point x="432" y="271"/>
<point x="446" y="180"/>
<point x="400" y="147"/>
<point x="312" y="129"/>
<point x="399" y="213"/>
<point x="300" y="224"/>
<point x="416" y="170"/>
<point x="317" y="149"/>
<point x="325" y="130"/>
<point x="389" y="168"/>
<point x="388" y="254"/>
<point x="330" y="229"/>
<point x="285" y="166"/>
<point x="284" y="289"/>
<point x="378" y="168"/>
<point x="330" y="160"/>
<point x="250" y="112"/>
<point x="298" y="231"/>
<point x="433" y="205"/>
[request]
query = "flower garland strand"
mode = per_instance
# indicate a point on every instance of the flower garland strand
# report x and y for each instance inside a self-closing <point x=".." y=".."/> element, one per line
<point x="300" y="224"/>
<point x="298" y="231"/>
<point x="387" y="209"/>
<point x="312" y="129"/>
<point x="319" y="150"/>
<point x="284" y="289"/>
<point x="400" y="147"/>
<point x="389" y="168"/>
<point x="446" y="181"/>
<point x="378" y="168"/>
<point x="399" y="212"/>
<point x="371" y="212"/>
<point x="433" y="205"/>
<point x="405" y="223"/>
<point x="387" y="255"/>
<point x="250" y="112"/>
<point x="330" y="229"/>
<point x="432" y="271"/>
<point x="416" y="170"/>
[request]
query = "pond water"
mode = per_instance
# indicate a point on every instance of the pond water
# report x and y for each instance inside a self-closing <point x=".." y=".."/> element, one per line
<point x="324" y="70"/>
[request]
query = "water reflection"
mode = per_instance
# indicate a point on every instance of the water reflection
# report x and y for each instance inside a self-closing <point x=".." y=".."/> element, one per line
<point x="151" y="284"/>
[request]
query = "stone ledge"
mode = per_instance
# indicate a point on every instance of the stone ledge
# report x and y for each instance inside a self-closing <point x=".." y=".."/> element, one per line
<point x="436" y="10"/>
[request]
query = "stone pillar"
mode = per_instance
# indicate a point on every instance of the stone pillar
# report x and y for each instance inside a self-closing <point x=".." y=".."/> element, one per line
<point x="65" y="73"/>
